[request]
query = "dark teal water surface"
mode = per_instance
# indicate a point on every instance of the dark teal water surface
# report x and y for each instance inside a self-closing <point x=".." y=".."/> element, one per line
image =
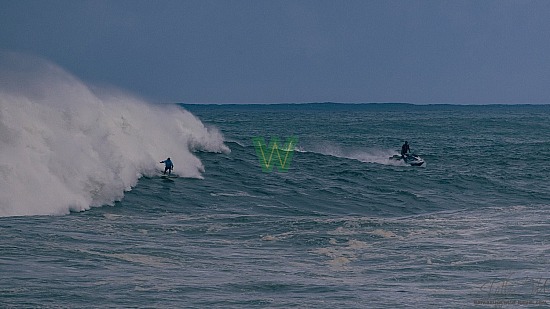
<point x="345" y="227"/>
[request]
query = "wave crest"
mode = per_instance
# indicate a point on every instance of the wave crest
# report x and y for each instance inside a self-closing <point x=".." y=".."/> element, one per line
<point x="67" y="146"/>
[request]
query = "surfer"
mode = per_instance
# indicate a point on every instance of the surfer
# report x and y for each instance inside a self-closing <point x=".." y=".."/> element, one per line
<point x="404" y="149"/>
<point x="168" y="166"/>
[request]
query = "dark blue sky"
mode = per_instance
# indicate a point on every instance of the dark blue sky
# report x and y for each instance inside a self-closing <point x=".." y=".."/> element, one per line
<point x="294" y="51"/>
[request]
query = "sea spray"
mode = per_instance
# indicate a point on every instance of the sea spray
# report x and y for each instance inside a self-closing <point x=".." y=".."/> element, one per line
<point x="370" y="155"/>
<point x="67" y="146"/>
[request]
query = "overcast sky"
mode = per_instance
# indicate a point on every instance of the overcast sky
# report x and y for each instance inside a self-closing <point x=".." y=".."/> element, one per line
<point x="294" y="51"/>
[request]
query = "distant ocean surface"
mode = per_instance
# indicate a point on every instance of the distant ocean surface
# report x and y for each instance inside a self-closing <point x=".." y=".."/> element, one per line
<point x="87" y="221"/>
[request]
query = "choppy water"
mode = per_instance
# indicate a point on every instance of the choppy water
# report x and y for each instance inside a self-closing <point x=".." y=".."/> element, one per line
<point x="344" y="228"/>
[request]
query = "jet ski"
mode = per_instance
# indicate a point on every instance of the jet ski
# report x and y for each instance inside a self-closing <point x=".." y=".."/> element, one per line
<point x="410" y="159"/>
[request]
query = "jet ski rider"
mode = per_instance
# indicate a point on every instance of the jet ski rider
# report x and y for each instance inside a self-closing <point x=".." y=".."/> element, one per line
<point x="404" y="149"/>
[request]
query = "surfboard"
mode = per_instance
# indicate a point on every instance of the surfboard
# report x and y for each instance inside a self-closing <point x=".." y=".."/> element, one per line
<point x="168" y="176"/>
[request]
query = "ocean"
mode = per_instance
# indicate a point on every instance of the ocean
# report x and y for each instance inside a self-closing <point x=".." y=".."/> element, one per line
<point x="87" y="221"/>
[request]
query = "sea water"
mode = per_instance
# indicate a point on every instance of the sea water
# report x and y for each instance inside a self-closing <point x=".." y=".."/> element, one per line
<point x="87" y="221"/>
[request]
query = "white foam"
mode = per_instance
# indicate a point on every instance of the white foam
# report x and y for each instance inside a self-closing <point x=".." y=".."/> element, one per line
<point x="380" y="156"/>
<point x="65" y="146"/>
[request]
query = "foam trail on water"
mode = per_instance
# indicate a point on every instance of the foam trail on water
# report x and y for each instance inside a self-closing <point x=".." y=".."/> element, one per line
<point x="380" y="156"/>
<point x="64" y="146"/>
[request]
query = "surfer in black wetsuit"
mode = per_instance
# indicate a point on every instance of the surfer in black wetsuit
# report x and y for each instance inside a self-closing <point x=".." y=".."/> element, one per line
<point x="168" y="166"/>
<point x="404" y="149"/>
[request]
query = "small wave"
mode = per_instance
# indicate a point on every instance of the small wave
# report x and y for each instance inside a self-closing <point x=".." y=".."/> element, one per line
<point x="385" y="234"/>
<point x="235" y="142"/>
<point x="232" y="194"/>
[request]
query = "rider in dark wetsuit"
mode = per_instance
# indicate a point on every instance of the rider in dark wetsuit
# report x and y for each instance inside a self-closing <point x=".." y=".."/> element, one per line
<point x="168" y="166"/>
<point x="404" y="149"/>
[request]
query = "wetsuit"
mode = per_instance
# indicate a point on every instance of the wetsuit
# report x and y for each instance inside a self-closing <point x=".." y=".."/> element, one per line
<point x="168" y="166"/>
<point x="404" y="149"/>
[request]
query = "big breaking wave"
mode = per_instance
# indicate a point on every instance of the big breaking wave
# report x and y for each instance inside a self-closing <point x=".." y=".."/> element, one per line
<point x="65" y="146"/>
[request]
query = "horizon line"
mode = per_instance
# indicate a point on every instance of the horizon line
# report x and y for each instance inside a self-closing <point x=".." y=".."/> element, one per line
<point x="358" y="103"/>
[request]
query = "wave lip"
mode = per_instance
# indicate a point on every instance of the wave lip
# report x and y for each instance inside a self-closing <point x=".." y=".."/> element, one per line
<point x="65" y="146"/>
